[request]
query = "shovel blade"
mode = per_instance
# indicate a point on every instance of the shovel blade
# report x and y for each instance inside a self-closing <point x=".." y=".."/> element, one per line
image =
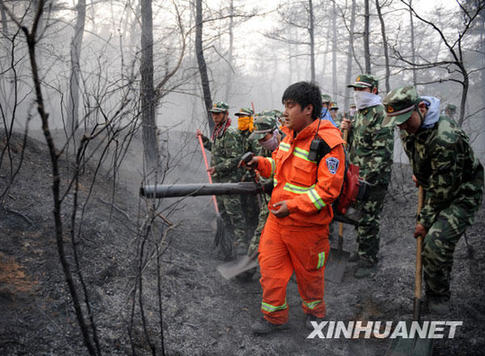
<point x="233" y="268"/>
<point x="411" y="347"/>
<point x="335" y="268"/>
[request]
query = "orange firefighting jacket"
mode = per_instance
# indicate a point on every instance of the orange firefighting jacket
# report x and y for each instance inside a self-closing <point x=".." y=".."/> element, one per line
<point x="308" y="189"/>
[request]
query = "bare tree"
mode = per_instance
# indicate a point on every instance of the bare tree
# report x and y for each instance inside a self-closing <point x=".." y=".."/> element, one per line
<point x="455" y="46"/>
<point x="311" y="34"/>
<point x="301" y="17"/>
<point x="350" y="54"/>
<point x="384" y="45"/>
<point x="366" y="37"/>
<point x="147" y="91"/>
<point x="199" y="52"/>
<point x="334" y="51"/>
<point x="413" y="49"/>
<point x="76" y="45"/>
<point x="31" y="36"/>
<point x="230" y="69"/>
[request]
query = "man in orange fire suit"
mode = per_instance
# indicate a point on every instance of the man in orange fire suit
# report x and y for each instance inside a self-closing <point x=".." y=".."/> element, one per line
<point x="295" y="237"/>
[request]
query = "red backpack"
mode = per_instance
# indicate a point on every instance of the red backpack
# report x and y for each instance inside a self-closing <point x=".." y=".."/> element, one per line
<point x="353" y="189"/>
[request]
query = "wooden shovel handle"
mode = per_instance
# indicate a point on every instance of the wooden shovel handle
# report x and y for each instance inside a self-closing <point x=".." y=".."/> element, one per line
<point x="206" y="162"/>
<point x="341" y="225"/>
<point x="419" y="247"/>
<point x="345" y="136"/>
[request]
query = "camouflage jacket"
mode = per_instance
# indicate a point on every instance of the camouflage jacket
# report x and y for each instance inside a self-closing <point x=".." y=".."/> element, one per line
<point x="445" y="166"/>
<point x="226" y="151"/>
<point x="249" y="145"/>
<point x="371" y="145"/>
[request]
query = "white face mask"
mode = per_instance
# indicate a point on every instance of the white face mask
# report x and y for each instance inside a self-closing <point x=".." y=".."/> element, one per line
<point x="364" y="99"/>
<point x="271" y="143"/>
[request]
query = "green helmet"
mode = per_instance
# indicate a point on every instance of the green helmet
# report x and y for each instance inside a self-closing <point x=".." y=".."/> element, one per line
<point x="364" y="81"/>
<point x="273" y="113"/>
<point x="400" y="104"/>
<point x="333" y="106"/>
<point x="244" y="112"/>
<point x="263" y="125"/>
<point x="326" y="98"/>
<point x="220" y="106"/>
<point x="276" y="113"/>
<point x="451" y="108"/>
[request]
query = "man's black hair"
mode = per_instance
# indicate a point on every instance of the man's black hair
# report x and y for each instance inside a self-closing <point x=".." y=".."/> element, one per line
<point x="304" y="94"/>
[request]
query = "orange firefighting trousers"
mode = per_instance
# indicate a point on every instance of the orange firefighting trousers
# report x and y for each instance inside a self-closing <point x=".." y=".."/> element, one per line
<point x="285" y="249"/>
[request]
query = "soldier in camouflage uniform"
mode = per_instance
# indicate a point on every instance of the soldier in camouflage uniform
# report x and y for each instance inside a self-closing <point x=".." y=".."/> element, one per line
<point x="326" y="103"/>
<point x="352" y="111"/>
<point x="452" y="177"/>
<point x="450" y="111"/>
<point x="267" y="134"/>
<point x="336" y="116"/>
<point x="226" y="150"/>
<point x="370" y="147"/>
<point x="250" y="204"/>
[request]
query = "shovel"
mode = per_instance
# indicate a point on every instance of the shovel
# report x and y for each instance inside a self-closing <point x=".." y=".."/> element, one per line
<point x="233" y="268"/>
<point x="417" y="346"/>
<point x="334" y="271"/>
<point x="337" y="260"/>
<point x="219" y="237"/>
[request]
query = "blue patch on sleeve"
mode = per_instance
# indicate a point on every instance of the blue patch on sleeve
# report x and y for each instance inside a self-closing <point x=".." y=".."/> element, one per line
<point x="332" y="164"/>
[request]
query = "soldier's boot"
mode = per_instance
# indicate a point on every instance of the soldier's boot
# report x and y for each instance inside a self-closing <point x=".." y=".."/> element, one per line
<point x="310" y="318"/>
<point x="332" y="232"/>
<point x="224" y="251"/>
<point x="365" y="268"/>
<point x="246" y="276"/>
<point x="355" y="257"/>
<point x="240" y="249"/>
<point x="263" y="327"/>
<point x="437" y="304"/>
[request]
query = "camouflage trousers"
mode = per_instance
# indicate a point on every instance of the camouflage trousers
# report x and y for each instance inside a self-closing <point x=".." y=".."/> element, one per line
<point x="368" y="225"/>
<point x="250" y="208"/>
<point x="232" y="215"/>
<point x="263" y="216"/>
<point x="439" y="245"/>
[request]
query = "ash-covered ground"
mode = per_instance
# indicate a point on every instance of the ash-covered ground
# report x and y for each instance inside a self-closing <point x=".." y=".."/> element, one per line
<point x="203" y="314"/>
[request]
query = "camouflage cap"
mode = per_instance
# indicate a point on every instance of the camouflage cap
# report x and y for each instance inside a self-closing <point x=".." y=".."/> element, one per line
<point x="333" y="106"/>
<point x="274" y="113"/>
<point x="245" y="112"/>
<point x="220" y="106"/>
<point x="263" y="125"/>
<point x="400" y="104"/>
<point x="364" y="81"/>
<point x="450" y="107"/>
<point x="326" y="98"/>
<point x="353" y="106"/>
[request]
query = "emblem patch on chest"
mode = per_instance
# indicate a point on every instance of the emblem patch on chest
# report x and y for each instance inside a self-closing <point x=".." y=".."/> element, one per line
<point x="332" y="164"/>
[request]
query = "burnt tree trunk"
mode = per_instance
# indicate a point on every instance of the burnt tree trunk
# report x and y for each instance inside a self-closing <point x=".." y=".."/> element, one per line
<point x="350" y="54"/>
<point x="311" y="31"/>
<point x="147" y="91"/>
<point x="481" y="138"/>
<point x="366" y="37"/>
<point x="413" y="49"/>
<point x="229" y="56"/>
<point x="334" y="52"/>
<point x="204" y="77"/>
<point x="76" y="45"/>
<point x="384" y="44"/>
